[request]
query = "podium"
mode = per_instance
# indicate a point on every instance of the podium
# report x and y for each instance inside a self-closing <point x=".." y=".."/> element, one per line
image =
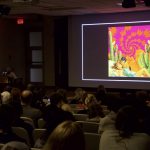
<point x="3" y="82"/>
<point x="3" y="79"/>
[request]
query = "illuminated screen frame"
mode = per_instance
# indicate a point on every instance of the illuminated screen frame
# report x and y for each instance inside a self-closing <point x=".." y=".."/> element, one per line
<point x="108" y="80"/>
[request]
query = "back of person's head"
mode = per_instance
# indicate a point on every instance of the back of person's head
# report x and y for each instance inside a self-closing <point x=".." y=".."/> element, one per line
<point x="95" y="110"/>
<point x="63" y="93"/>
<point x="114" y="102"/>
<point x="101" y="89"/>
<point x="90" y="99"/>
<point x="6" y="116"/>
<point x="30" y="87"/>
<point x="141" y="97"/>
<point x="5" y="97"/>
<point x="55" y="98"/>
<point x="26" y="97"/>
<point x="78" y="93"/>
<point x="66" y="136"/>
<point x="16" y="93"/>
<point x="126" y="121"/>
<point x="15" y="145"/>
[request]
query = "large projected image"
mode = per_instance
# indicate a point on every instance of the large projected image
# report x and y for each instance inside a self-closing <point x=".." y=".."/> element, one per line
<point x="129" y="51"/>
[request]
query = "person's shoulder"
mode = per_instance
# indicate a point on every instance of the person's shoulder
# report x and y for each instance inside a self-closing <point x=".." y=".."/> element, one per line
<point x="67" y="115"/>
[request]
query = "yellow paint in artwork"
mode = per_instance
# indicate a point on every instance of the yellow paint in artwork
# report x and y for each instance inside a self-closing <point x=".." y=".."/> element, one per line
<point x="139" y="32"/>
<point x="147" y="33"/>
<point x="113" y="30"/>
<point x="132" y="63"/>
<point x="123" y="33"/>
<point x="127" y="28"/>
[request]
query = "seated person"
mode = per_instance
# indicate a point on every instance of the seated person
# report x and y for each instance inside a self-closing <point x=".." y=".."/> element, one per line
<point x="66" y="136"/>
<point x="95" y="113"/>
<point x="11" y="75"/>
<point x="53" y="115"/>
<point x="79" y="97"/>
<point x="18" y="122"/>
<point x="125" y="136"/>
<point x="121" y="70"/>
<point x="65" y="106"/>
<point x="7" y="117"/>
<point x="28" y="110"/>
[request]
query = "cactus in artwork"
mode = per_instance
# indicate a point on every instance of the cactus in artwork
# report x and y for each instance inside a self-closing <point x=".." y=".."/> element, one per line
<point x="111" y="47"/>
<point x="115" y="54"/>
<point x="144" y="58"/>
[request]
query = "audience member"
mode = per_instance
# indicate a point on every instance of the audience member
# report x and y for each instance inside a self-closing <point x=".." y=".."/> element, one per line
<point x="100" y="94"/>
<point x="89" y="100"/>
<point x="16" y="93"/>
<point x="65" y="106"/>
<point x="28" y="110"/>
<point x="66" y="136"/>
<point x="125" y="136"/>
<point x="143" y="111"/>
<point x="79" y="97"/>
<point x="114" y="103"/>
<point x="18" y="122"/>
<point x="95" y="113"/>
<point x="5" y="97"/>
<point x="53" y="115"/>
<point x="11" y="75"/>
<point x="7" y="116"/>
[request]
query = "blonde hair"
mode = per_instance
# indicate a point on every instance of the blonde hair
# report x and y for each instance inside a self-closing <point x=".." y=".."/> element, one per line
<point x="66" y="136"/>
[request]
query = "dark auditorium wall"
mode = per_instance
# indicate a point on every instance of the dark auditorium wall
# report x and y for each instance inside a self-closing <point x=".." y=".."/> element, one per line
<point x="48" y="47"/>
<point x="12" y="46"/>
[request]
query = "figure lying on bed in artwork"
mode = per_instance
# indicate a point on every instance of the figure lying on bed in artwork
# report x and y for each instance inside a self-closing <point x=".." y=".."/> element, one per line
<point x="122" y="69"/>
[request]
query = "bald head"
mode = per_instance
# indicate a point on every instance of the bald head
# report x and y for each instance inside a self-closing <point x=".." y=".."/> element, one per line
<point x="26" y="97"/>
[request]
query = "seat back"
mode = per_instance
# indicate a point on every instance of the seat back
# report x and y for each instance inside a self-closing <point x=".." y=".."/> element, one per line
<point x="32" y="148"/>
<point x="91" y="127"/>
<point x="92" y="141"/>
<point x="28" y="120"/>
<point x="41" y="123"/>
<point x="21" y="132"/>
<point x="80" y="117"/>
<point x="37" y="133"/>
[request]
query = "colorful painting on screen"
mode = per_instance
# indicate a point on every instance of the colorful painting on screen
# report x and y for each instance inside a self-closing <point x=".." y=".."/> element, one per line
<point x="129" y="51"/>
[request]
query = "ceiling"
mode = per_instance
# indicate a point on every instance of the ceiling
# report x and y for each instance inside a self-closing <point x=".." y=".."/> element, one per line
<point x="69" y="7"/>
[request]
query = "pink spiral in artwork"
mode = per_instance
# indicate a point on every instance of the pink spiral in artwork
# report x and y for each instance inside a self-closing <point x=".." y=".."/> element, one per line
<point x="130" y="38"/>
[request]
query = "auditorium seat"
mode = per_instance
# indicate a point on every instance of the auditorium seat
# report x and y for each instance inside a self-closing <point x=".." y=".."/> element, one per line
<point x="21" y="132"/>
<point x="28" y="120"/>
<point x="92" y="141"/>
<point x="37" y="133"/>
<point x="41" y="123"/>
<point x="80" y="117"/>
<point x="91" y="127"/>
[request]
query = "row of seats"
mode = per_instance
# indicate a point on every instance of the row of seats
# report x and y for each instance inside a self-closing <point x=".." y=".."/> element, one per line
<point x="91" y="139"/>
<point x="41" y="122"/>
<point x="90" y="129"/>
